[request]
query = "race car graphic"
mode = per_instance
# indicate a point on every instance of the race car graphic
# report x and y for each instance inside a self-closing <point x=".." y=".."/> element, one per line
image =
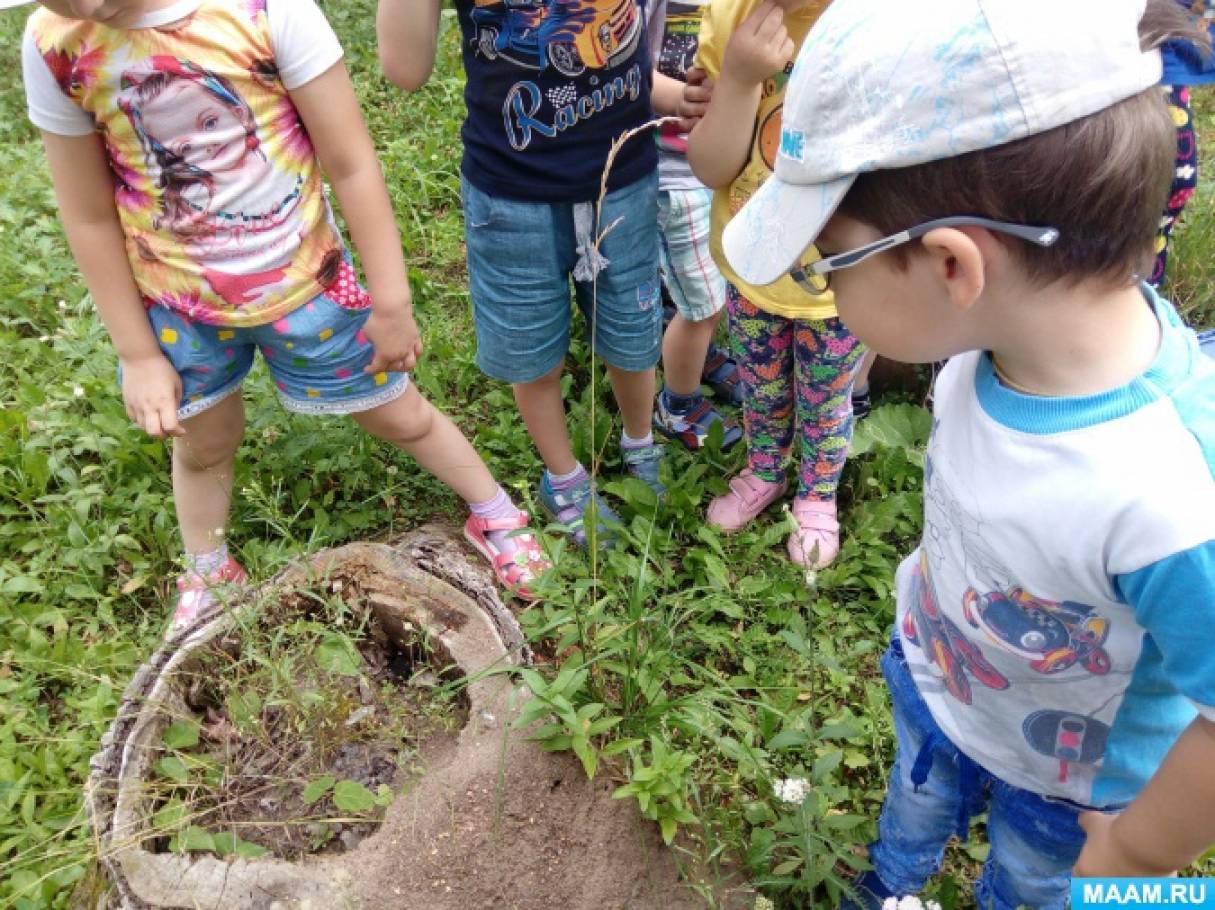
<point x="571" y="36"/>
<point x="954" y="654"/>
<point x="1049" y="635"/>
<point x="1071" y="738"/>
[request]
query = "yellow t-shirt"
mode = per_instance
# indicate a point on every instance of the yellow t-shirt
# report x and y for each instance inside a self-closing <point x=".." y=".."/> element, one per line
<point x="784" y="297"/>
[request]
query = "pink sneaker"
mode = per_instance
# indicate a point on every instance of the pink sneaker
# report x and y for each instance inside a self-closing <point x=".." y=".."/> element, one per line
<point x="515" y="570"/>
<point x="748" y="496"/>
<point x="816" y="542"/>
<point x="198" y="594"/>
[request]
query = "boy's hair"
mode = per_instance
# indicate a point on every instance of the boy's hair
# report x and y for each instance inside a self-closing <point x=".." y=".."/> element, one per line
<point x="1102" y="181"/>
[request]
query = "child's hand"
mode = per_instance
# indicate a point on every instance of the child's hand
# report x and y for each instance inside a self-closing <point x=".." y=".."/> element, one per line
<point x="151" y="391"/>
<point x="1105" y="854"/>
<point x="697" y="93"/>
<point x="394" y="336"/>
<point x="759" y="47"/>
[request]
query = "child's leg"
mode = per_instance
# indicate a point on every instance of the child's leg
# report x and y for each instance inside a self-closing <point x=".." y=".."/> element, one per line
<point x="1185" y="175"/>
<point x="1034" y="844"/>
<point x="203" y="464"/>
<point x="697" y="288"/>
<point x="861" y="400"/>
<point x="827" y="355"/>
<point x="413" y="424"/>
<point x="212" y="362"/>
<point x="764" y="350"/>
<point x="623" y="308"/>
<point x="699" y="293"/>
<point x="684" y="346"/>
<point x="543" y="411"/>
<point x="634" y="392"/>
<point x="931" y="792"/>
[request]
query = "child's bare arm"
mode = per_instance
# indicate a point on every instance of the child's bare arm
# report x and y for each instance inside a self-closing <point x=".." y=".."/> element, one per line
<point x="84" y="186"/>
<point x="719" y="144"/>
<point x="408" y="38"/>
<point x="330" y="111"/>
<point x="1169" y="824"/>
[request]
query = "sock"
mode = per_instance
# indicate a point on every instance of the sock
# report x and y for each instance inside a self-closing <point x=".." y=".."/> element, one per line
<point x="680" y="405"/>
<point x="628" y="442"/>
<point x="500" y="506"/>
<point x="560" y="482"/>
<point x="203" y="564"/>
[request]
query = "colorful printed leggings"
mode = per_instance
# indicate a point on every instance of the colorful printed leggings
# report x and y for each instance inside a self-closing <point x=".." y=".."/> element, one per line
<point x="795" y="369"/>
<point x="1185" y="175"/>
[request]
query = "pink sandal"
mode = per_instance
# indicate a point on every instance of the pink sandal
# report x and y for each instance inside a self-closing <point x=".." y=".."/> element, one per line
<point x="816" y="542"/>
<point x="515" y="571"/>
<point x="748" y="496"/>
<point x="198" y="594"/>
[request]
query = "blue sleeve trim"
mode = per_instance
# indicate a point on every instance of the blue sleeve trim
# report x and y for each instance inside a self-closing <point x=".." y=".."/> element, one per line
<point x="1174" y="600"/>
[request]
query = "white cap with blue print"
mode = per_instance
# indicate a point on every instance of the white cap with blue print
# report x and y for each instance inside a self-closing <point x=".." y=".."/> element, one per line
<point x="882" y="84"/>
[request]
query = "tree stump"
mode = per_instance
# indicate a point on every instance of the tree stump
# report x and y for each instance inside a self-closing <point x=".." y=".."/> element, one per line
<point x="495" y="823"/>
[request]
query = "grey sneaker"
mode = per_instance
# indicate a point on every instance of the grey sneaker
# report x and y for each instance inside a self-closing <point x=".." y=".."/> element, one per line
<point x="643" y="464"/>
<point x="568" y="508"/>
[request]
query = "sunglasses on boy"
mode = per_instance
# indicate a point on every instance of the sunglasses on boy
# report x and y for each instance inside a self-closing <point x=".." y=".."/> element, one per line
<point x="815" y="277"/>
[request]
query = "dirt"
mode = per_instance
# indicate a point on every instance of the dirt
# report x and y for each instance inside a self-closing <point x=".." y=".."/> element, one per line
<point x="374" y="729"/>
<point x="510" y="827"/>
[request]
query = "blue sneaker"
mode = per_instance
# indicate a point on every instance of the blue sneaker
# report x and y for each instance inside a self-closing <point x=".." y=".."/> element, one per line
<point x="643" y="464"/>
<point x="691" y="427"/>
<point x="568" y="508"/>
<point x="722" y="376"/>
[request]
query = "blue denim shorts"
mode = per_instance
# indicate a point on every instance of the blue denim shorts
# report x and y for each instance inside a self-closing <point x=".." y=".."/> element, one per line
<point x="316" y="355"/>
<point x="521" y="258"/>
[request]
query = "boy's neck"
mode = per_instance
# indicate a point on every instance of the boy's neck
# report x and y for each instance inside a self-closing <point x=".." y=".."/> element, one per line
<point x="1073" y="341"/>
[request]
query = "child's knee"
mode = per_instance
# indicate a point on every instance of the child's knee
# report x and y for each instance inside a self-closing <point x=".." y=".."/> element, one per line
<point x="411" y="419"/>
<point x="213" y="450"/>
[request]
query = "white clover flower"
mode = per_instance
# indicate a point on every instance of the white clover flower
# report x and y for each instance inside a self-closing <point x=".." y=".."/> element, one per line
<point x="43" y="339"/>
<point x="762" y="903"/>
<point x="791" y="790"/>
<point x="63" y="304"/>
<point x="78" y="391"/>
<point x="909" y="902"/>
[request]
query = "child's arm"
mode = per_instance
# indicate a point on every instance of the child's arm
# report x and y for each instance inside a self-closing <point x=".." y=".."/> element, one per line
<point x="666" y="94"/>
<point x="408" y="36"/>
<point x="719" y="145"/>
<point x="330" y="112"/>
<point x="84" y="186"/>
<point x="1168" y="825"/>
<point x="686" y="100"/>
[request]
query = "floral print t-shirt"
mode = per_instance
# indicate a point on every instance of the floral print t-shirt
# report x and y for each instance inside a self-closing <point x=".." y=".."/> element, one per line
<point x="216" y="184"/>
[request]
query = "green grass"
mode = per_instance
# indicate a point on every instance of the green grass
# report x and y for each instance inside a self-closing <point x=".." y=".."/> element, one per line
<point x="699" y="670"/>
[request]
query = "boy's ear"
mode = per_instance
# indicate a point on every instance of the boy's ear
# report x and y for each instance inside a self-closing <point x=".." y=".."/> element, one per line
<point x="958" y="263"/>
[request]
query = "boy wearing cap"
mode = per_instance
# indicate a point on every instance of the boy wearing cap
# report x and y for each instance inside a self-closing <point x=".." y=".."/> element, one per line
<point x="984" y="184"/>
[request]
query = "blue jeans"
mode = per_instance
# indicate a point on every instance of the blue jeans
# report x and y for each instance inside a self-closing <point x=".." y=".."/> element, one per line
<point x="1206" y="341"/>
<point x="521" y="257"/>
<point x="933" y="792"/>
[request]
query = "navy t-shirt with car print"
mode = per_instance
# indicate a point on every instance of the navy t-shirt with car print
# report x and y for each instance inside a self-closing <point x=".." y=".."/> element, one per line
<point x="551" y="84"/>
